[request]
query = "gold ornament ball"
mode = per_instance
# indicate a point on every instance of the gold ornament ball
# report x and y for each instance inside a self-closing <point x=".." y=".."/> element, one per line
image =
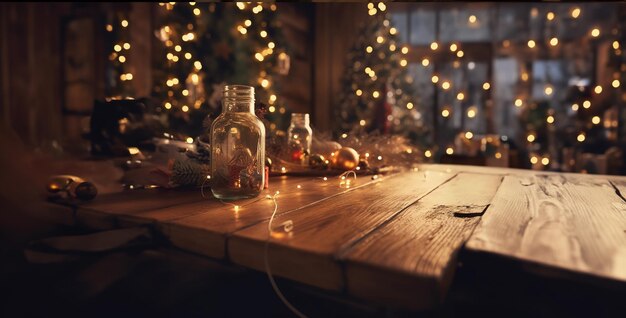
<point x="345" y="158"/>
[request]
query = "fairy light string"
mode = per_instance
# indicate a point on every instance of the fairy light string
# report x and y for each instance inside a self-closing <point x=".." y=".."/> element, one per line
<point x="285" y="228"/>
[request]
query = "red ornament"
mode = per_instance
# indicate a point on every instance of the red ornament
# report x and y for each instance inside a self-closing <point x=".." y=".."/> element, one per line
<point x="297" y="155"/>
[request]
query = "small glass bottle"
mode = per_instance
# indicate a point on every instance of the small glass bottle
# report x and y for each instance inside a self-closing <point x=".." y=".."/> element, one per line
<point x="300" y="136"/>
<point x="237" y="147"/>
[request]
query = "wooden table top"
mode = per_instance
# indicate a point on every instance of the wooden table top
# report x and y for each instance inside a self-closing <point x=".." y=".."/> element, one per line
<point x="394" y="240"/>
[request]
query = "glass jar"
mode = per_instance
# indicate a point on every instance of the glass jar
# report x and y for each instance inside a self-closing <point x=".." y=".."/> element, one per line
<point x="299" y="138"/>
<point x="237" y="147"/>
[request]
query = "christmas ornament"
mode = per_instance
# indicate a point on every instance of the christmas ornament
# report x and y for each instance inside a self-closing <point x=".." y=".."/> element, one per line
<point x="345" y="158"/>
<point x="324" y="147"/>
<point x="363" y="164"/>
<point x="72" y="186"/>
<point x="317" y="161"/>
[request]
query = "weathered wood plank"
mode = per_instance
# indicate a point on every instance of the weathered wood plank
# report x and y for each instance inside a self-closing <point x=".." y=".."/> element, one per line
<point x="205" y="231"/>
<point x="130" y="208"/>
<point x="620" y="187"/>
<point x="307" y="254"/>
<point x="410" y="261"/>
<point x="574" y="225"/>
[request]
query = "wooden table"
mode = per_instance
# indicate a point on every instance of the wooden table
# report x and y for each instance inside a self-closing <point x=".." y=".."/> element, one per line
<point x="395" y="240"/>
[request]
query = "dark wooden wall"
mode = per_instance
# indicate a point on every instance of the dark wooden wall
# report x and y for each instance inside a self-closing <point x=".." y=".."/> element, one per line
<point x="30" y="68"/>
<point x="297" y="86"/>
<point x="336" y="27"/>
<point x="51" y="66"/>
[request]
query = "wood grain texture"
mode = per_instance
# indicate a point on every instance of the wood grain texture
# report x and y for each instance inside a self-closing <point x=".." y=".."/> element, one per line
<point x="307" y="254"/>
<point x="410" y="261"/>
<point x="207" y="229"/>
<point x="105" y="211"/>
<point x="575" y="225"/>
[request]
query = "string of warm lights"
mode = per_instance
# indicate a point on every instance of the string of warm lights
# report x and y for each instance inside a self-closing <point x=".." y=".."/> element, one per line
<point x="552" y="41"/>
<point x="118" y="57"/>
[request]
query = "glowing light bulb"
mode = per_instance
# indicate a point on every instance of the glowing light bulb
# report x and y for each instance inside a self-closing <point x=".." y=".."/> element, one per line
<point x="575" y="13"/>
<point x="471" y="113"/>
<point x="393" y="31"/>
<point x="615" y="45"/>
<point x="168" y="105"/>
<point x="405" y="50"/>
<point x="124" y="23"/>
<point x="472" y="19"/>
<point x="197" y="65"/>
<point x="548" y="90"/>
<point x="575" y="107"/>
<point x="409" y="105"/>
<point x="375" y="94"/>
<point x="117" y="48"/>
<point x="460" y="96"/>
<point x="554" y="41"/>
<point x="580" y="137"/>
<point x="247" y="23"/>
<point x="595" y="32"/>
<point x="586" y="104"/>
<point x="445" y="85"/>
<point x="434" y="79"/>
<point x="615" y="83"/>
<point x="534" y="160"/>
<point x="550" y="119"/>
<point x="359" y="92"/>
<point x="122" y="59"/>
<point x="362" y="122"/>
<point x="530" y="137"/>
<point x="369" y="49"/>
<point x="469" y="135"/>
<point x="453" y="47"/>
<point x="449" y="150"/>
<point x="263" y="34"/>
<point x="445" y="113"/>
<point x="403" y="62"/>
<point x="428" y="154"/>
<point x="185" y="108"/>
<point x="545" y="161"/>
<point x="598" y="89"/>
<point x="460" y="53"/>
<point x="595" y="120"/>
<point x="550" y="16"/>
<point x="531" y="44"/>
<point x="425" y="62"/>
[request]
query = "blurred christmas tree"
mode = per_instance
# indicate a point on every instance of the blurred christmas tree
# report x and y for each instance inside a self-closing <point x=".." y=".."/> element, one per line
<point x="208" y="45"/>
<point x="378" y="94"/>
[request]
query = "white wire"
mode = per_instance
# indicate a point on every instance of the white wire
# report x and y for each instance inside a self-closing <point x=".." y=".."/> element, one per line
<point x="267" y="263"/>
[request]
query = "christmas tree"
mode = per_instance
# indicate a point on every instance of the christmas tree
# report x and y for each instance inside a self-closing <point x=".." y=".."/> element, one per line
<point x="378" y="94"/>
<point x="208" y="45"/>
